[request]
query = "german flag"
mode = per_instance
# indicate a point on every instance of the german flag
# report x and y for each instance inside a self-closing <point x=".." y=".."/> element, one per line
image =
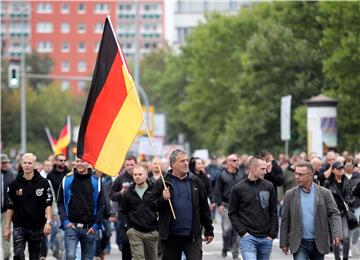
<point x="113" y="114"/>
<point x="64" y="139"/>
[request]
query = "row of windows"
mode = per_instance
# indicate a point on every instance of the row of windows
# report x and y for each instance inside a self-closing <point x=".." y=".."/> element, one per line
<point x="81" y="66"/>
<point x="145" y="7"/>
<point x="143" y="35"/>
<point x="47" y="8"/>
<point x="144" y="16"/>
<point x="47" y="46"/>
<point x="48" y="27"/>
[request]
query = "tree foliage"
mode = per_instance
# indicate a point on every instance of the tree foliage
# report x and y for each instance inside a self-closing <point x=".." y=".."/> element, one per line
<point x="47" y="107"/>
<point x="224" y="88"/>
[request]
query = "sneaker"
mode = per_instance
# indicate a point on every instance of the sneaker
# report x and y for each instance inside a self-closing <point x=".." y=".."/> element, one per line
<point x="224" y="253"/>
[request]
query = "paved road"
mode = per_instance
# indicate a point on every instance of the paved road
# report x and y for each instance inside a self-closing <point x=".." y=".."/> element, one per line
<point x="211" y="251"/>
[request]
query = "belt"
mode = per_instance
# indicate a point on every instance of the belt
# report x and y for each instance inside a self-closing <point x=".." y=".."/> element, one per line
<point x="81" y="225"/>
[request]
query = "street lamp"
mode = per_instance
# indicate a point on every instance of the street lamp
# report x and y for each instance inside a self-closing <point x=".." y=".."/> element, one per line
<point x="20" y="11"/>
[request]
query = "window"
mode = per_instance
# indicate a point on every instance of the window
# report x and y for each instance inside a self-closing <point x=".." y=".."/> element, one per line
<point x="101" y="8"/>
<point x="81" y="47"/>
<point x="98" y="28"/>
<point x="81" y="66"/>
<point x="65" y="28"/>
<point x="151" y="7"/>
<point x="44" y="27"/>
<point x="182" y="33"/>
<point x="81" y="85"/>
<point x="44" y="47"/>
<point x="81" y="8"/>
<point x="65" y="84"/>
<point x="65" y="66"/>
<point x="127" y="7"/>
<point x="44" y="8"/>
<point x="65" y="9"/>
<point x="65" y="47"/>
<point x="81" y="28"/>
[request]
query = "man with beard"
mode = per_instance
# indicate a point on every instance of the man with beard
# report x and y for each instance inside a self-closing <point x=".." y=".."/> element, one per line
<point x="55" y="177"/>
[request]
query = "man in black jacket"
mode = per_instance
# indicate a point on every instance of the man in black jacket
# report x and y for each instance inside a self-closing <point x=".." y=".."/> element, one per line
<point x="6" y="177"/>
<point x="138" y="220"/>
<point x="118" y="188"/>
<point x="29" y="209"/>
<point x="253" y="212"/>
<point x="274" y="172"/>
<point x="188" y="197"/>
<point x="228" y="177"/>
<point x="55" y="176"/>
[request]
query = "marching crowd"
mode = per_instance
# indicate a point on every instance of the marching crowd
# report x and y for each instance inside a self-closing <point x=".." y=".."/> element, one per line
<point x="164" y="209"/>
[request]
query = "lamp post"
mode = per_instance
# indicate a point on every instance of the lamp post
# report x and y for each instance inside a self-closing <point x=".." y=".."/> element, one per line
<point x="23" y="99"/>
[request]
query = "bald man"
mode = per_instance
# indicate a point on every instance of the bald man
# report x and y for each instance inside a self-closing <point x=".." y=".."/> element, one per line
<point x="29" y="209"/>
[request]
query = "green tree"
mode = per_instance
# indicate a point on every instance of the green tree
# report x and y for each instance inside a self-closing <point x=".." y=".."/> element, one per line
<point x="39" y="64"/>
<point x="47" y="107"/>
<point x="341" y="41"/>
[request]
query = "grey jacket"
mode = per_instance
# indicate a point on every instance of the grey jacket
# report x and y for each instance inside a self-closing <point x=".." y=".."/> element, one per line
<point x="326" y="214"/>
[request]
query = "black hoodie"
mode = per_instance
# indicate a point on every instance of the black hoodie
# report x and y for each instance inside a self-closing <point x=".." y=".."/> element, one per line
<point x="29" y="199"/>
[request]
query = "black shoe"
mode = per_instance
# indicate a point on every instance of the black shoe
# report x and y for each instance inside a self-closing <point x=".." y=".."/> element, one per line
<point x="224" y="253"/>
<point x="236" y="257"/>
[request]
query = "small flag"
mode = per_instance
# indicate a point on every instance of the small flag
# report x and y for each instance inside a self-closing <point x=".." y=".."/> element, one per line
<point x="112" y="115"/>
<point x="64" y="139"/>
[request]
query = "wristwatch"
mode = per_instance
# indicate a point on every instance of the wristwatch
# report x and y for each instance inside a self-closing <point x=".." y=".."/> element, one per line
<point x="49" y="222"/>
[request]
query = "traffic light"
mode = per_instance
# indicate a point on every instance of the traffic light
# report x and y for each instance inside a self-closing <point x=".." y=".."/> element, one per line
<point x="14" y="76"/>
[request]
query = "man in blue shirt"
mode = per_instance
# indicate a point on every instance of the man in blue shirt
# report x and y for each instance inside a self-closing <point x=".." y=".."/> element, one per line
<point x="308" y="212"/>
<point x="189" y="199"/>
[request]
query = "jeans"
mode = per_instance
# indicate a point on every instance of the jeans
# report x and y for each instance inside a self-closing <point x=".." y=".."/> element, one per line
<point x="346" y="240"/>
<point x="5" y="244"/>
<point x="255" y="248"/>
<point x="355" y="237"/>
<point x="87" y="242"/>
<point x="308" y="250"/>
<point x="230" y="236"/>
<point x="33" y="238"/>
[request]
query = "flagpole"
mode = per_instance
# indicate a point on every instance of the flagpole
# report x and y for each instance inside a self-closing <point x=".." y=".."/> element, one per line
<point x="68" y="121"/>
<point x="139" y="106"/>
<point x="48" y="134"/>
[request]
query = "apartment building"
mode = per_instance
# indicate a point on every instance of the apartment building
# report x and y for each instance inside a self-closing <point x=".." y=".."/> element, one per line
<point x="70" y="33"/>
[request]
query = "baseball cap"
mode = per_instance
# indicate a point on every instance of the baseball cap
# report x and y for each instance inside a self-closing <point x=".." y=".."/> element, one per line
<point x="337" y="165"/>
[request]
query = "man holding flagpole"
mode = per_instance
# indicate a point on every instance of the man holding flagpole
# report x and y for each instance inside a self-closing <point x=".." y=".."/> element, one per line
<point x="182" y="234"/>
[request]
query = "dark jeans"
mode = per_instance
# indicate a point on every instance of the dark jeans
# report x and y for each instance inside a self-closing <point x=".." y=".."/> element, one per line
<point x="87" y="241"/>
<point x="308" y="251"/>
<point x="44" y="246"/>
<point x="345" y="242"/>
<point x="103" y="238"/>
<point x="172" y="248"/>
<point x="33" y="238"/>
